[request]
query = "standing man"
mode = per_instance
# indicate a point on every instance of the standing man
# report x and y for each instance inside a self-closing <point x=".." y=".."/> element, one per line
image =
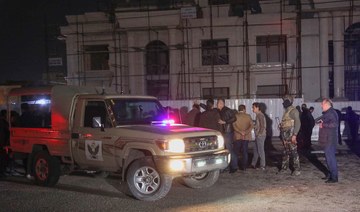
<point x="242" y="130"/>
<point x="352" y="120"/>
<point x="289" y="129"/>
<point x="307" y="124"/>
<point x="311" y="110"/>
<point x="328" y="127"/>
<point x="227" y="118"/>
<point x="193" y="116"/>
<point x="260" y="135"/>
<point x="210" y="117"/>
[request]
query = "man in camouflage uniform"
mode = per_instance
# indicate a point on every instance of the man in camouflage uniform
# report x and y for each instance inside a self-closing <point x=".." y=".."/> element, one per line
<point x="289" y="129"/>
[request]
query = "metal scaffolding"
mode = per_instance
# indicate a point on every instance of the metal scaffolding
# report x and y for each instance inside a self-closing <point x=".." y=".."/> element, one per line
<point x="120" y="51"/>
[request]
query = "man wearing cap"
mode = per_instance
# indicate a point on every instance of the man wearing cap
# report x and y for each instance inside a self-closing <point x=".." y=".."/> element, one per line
<point x="289" y="129"/>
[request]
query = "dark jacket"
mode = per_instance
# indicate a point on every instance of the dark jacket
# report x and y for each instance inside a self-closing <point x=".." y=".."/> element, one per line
<point x="307" y="121"/>
<point x="193" y="117"/>
<point x="229" y="117"/>
<point x="209" y="119"/>
<point x="328" y="134"/>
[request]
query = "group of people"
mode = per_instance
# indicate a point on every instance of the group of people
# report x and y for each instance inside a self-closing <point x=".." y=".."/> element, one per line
<point x="237" y="127"/>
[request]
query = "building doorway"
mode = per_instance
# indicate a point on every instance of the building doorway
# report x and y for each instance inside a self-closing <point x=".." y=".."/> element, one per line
<point x="352" y="62"/>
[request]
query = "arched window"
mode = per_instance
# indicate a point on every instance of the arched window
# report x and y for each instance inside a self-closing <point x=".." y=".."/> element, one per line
<point x="352" y="62"/>
<point x="157" y="69"/>
<point x="157" y="58"/>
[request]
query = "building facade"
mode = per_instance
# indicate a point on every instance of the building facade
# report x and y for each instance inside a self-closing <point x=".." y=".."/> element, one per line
<point x="224" y="48"/>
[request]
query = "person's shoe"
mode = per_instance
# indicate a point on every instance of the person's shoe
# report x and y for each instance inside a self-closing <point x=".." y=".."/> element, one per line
<point x="252" y="167"/>
<point x="29" y="177"/>
<point x="331" y="181"/>
<point x="281" y="171"/>
<point x="296" y="173"/>
<point x="262" y="168"/>
<point x="225" y="170"/>
<point x="327" y="177"/>
<point x="232" y="171"/>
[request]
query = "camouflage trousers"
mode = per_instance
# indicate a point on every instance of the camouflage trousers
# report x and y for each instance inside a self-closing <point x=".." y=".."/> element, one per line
<point x="290" y="151"/>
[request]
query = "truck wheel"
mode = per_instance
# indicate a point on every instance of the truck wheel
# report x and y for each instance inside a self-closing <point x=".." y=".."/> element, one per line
<point x="46" y="169"/>
<point x="145" y="182"/>
<point x="202" y="180"/>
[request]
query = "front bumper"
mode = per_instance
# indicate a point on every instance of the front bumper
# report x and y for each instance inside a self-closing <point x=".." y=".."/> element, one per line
<point x="192" y="164"/>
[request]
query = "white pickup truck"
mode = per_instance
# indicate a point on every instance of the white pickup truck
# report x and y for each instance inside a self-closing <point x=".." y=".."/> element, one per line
<point x="72" y="128"/>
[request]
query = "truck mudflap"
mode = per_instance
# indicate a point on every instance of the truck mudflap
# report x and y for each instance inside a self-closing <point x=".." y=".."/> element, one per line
<point x="192" y="164"/>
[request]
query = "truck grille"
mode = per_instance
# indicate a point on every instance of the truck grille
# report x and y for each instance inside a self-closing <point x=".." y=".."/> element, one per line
<point x="194" y="144"/>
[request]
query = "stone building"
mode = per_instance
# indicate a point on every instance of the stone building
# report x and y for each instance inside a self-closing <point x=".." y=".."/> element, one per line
<point x="218" y="48"/>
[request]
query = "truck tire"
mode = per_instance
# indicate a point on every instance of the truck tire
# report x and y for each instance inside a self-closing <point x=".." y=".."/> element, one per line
<point x="203" y="180"/>
<point x="145" y="182"/>
<point x="46" y="169"/>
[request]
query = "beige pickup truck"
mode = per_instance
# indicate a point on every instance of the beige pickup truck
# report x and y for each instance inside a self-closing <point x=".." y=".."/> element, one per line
<point x="73" y="128"/>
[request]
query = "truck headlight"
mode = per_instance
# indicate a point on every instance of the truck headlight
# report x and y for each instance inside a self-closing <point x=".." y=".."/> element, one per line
<point x="176" y="165"/>
<point x="176" y="145"/>
<point x="172" y="145"/>
<point x="221" y="141"/>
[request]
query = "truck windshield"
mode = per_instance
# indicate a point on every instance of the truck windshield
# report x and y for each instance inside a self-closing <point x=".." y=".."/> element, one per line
<point x="137" y="111"/>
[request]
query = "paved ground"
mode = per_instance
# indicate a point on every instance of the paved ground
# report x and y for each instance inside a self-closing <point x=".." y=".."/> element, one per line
<point x="253" y="190"/>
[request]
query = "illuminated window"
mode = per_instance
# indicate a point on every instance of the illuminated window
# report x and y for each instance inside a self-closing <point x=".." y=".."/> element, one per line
<point x="215" y="52"/>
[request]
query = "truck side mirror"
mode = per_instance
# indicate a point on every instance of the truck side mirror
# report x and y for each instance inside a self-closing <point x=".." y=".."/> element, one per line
<point x="96" y="123"/>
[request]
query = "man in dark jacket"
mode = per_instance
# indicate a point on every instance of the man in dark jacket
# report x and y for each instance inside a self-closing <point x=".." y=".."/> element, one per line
<point x="307" y="125"/>
<point x="227" y="118"/>
<point x="352" y="119"/>
<point x="193" y="116"/>
<point x="210" y="117"/>
<point x="328" y="127"/>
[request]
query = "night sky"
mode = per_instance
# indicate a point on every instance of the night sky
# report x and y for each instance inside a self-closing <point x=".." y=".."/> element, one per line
<point x="24" y="26"/>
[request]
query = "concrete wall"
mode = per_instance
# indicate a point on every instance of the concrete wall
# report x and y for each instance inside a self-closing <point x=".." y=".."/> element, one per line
<point x="274" y="108"/>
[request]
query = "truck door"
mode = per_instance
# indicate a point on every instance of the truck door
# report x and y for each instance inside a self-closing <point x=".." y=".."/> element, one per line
<point x="93" y="147"/>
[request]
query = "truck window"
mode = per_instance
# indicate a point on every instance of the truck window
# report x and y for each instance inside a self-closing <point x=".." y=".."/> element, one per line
<point x="136" y="111"/>
<point x="34" y="112"/>
<point x="96" y="109"/>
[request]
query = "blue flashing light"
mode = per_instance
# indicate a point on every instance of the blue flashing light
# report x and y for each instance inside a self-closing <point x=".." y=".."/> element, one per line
<point x="168" y="122"/>
<point x="42" y="101"/>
